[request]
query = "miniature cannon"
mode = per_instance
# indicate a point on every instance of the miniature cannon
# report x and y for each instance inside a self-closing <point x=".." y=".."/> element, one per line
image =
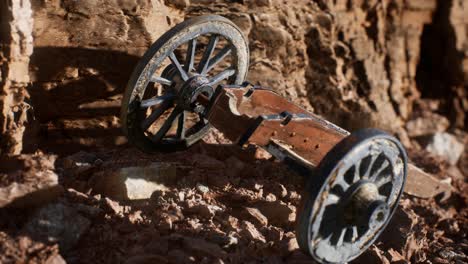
<point x="193" y="78"/>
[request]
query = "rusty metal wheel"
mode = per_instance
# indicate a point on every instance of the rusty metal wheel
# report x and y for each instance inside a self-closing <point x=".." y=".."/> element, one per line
<point x="158" y="110"/>
<point x="353" y="196"/>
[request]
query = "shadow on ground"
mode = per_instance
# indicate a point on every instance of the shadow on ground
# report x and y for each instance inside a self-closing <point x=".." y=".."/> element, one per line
<point x="76" y="95"/>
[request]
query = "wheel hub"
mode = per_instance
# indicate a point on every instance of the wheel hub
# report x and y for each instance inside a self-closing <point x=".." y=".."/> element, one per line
<point x="191" y="89"/>
<point x="364" y="207"/>
<point x="188" y="91"/>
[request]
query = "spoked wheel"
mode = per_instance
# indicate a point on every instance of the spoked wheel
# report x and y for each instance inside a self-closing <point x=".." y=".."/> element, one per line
<point x="353" y="196"/>
<point x="159" y="108"/>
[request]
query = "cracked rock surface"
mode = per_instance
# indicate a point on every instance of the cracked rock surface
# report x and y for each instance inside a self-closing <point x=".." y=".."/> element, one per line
<point x="81" y="194"/>
<point x="357" y="64"/>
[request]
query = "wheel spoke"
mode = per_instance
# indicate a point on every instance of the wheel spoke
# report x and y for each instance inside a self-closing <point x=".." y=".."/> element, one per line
<point x="352" y="233"/>
<point x="219" y="57"/>
<point x="190" y="58"/>
<point x="338" y="190"/>
<point x="176" y="63"/>
<point x="341" y="238"/>
<point x="369" y="167"/>
<point x="156" y="101"/>
<point x="167" y="125"/>
<point x="326" y="229"/>
<point x="145" y="124"/>
<point x="221" y="76"/>
<point x="338" y="236"/>
<point x="161" y="80"/>
<point x="383" y="166"/>
<point x="327" y="238"/>
<point x="382" y="197"/>
<point x="331" y="199"/>
<point x="181" y="125"/>
<point x="382" y="181"/>
<point x="343" y="185"/>
<point x="205" y="60"/>
<point x="357" y="167"/>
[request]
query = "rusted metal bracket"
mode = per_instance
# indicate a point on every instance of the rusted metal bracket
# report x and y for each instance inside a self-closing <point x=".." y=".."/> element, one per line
<point x="254" y="115"/>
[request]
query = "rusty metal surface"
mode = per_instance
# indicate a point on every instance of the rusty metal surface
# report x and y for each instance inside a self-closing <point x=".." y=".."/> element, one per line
<point x="259" y="116"/>
<point x="224" y="116"/>
<point x="256" y="101"/>
<point x="305" y="136"/>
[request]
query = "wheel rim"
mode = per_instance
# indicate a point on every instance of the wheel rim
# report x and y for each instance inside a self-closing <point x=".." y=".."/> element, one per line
<point x="209" y="48"/>
<point x="362" y="180"/>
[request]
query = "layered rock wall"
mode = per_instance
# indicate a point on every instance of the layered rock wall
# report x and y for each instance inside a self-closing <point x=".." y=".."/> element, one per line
<point x="16" y="45"/>
<point x="354" y="62"/>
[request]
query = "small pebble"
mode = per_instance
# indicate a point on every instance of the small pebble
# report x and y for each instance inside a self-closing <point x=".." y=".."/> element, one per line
<point x="202" y="188"/>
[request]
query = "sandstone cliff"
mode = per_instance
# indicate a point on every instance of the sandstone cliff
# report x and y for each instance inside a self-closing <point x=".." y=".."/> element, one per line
<point x="357" y="63"/>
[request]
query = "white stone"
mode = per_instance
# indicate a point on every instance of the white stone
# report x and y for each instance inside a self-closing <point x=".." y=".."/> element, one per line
<point x="134" y="183"/>
<point x="446" y="146"/>
<point x="202" y="188"/>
